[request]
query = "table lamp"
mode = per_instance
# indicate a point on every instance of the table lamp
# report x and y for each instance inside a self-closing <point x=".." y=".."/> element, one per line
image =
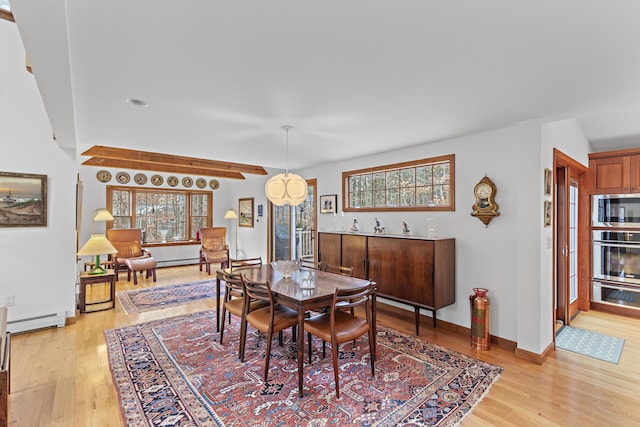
<point x="97" y="245"/>
<point x="231" y="214"/>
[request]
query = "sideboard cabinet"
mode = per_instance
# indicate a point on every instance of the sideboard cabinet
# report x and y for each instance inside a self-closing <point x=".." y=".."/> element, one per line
<point x="412" y="270"/>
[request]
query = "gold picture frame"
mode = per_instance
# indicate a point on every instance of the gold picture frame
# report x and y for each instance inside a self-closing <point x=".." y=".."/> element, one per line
<point x="548" y="177"/>
<point x="245" y="212"/>
<point x="23" y="200"/>
<point x="548" y="213"/>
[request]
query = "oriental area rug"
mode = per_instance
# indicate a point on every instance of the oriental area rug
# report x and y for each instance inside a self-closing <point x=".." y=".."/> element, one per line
<point x="148" y="299"/>
<point x="589" y="343"/>
<point x="175" y="372"/>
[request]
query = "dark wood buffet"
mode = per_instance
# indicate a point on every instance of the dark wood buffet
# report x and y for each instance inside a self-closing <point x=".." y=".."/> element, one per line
<point x="412" y="270"/>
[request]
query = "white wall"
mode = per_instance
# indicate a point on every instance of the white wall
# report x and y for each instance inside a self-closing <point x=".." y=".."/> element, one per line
<point x="37" y="264"/>
<point x="511" y="257"/>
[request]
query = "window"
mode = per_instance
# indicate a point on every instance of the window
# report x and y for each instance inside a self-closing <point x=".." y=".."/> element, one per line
<point x="5" y="11"/>
<point x="162" y="215"/>
<point x="421" y="185"/>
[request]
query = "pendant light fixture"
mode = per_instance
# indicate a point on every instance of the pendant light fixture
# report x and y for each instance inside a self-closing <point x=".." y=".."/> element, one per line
<point x="286" y="188"/>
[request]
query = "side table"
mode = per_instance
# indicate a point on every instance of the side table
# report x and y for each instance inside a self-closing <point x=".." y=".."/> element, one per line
<point x="89" y="279"/>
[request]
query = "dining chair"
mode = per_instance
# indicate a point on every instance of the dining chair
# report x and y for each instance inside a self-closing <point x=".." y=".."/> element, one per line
<point x="234" y="303"/>
<point x="337" y="326"/>
<point x="236" y="264"/>
<point x="338" y="269"/>
<point x="309" y="263"/>
<point x="269" y="319"/>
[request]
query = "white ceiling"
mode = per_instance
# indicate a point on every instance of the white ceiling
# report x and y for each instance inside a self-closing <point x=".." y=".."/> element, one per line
<point x="352" y="76"/>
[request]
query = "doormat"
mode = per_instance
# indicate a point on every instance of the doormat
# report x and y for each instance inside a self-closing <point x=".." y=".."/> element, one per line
<point x="149" y="299"/>
<point x="175" y="372"/>
<point x="589" y="343"/>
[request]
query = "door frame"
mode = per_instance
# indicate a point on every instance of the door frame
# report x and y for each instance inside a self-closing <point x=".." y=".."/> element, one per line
<point x="561" y="183"/>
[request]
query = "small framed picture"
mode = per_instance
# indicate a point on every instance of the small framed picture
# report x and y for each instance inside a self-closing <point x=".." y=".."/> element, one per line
<point x="245" y="211"/>
<point x="23" y="200"/>
<point x="329" y="203"/>
<point x="548" y="177"/>
<point x="547" y="213"/>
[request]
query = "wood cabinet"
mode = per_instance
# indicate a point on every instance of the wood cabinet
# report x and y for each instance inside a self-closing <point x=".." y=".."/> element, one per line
<point x="416" y="271"/>
<point x="615" y="172"/>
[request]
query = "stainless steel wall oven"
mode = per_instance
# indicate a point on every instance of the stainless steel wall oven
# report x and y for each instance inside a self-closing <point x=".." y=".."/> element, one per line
<point x="616" y="267"/>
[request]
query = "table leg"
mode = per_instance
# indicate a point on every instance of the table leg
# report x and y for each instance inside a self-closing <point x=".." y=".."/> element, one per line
<point x="373" y="320"/>
<point x="217" y="304"/>
<point x="300" y="349"/>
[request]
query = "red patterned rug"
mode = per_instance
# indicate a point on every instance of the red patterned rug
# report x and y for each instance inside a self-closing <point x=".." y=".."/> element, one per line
<point x="174" y="372"/>
<point x="148" y="299"/>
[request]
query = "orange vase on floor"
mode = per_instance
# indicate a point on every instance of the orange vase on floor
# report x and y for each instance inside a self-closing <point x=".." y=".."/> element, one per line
<point x="480" y="338"/>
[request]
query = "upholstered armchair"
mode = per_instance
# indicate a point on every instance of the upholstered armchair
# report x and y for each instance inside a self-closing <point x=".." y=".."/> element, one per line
<point x="128" y="242"/>
<point x="213" y="248"/>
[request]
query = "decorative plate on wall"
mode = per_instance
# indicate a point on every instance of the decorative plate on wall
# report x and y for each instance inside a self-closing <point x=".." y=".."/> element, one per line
<point x="201" y="182"/>
<point x="123" y="177"/>
<point x="157" y="180"/>
<point x="103" y="176"/>
<point x="140" y="179"/>
<point x="173" y="181"/>
<point x="214" y="184"/>
<point x="187" y="181"/>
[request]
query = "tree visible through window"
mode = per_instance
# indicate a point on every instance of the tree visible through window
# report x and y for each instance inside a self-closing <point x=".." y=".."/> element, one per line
<point x="162" y="215"/>
<point x="422" y="185"/>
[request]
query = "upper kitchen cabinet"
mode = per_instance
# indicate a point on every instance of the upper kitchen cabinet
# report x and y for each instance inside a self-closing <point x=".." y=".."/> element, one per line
<point x="614" y="172"/>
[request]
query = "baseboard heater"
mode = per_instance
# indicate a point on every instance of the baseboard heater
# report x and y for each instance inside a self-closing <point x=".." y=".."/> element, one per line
<point x="37" y="322"/>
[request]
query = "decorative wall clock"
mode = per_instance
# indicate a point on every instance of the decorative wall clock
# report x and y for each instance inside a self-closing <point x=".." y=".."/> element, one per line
<point x="485" y="208"/>
<point x="103" y="176"/>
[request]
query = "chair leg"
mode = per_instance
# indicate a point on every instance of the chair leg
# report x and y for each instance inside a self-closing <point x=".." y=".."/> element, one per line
<point x="267" y="356"/>
<point x="309" y="338"/>
<point x="243" y="338"/>
<point x="324" y="349"/>
<point x="372" y="352"/>
<point x="334" y="350"/>
<point x="224" y="311"/>
<point x="243" y="334"/>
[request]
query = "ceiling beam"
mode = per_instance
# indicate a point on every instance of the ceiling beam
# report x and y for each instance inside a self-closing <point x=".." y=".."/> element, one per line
<point x="144" y="160"/>
<point x="159" y="167"/>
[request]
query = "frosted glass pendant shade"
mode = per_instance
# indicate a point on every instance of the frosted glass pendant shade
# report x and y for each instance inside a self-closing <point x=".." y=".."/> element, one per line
<point x="286" y="189"/>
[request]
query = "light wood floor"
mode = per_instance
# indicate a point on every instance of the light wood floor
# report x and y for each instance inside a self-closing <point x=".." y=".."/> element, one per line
<point x="61" y="377"/>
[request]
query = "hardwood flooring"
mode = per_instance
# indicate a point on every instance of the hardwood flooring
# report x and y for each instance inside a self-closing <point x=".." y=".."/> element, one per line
<point x="61" y="377"/>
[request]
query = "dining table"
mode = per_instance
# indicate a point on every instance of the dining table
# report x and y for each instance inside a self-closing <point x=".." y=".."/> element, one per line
<point x="306" y="290"/>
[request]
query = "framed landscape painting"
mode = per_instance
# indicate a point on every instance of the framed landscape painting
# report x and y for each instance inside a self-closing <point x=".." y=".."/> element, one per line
<point x="23" y="200"/>
<point x="245" y="210"/>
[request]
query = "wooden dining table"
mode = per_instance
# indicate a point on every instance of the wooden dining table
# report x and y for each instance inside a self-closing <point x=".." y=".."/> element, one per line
<point x="307" y="289"/>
